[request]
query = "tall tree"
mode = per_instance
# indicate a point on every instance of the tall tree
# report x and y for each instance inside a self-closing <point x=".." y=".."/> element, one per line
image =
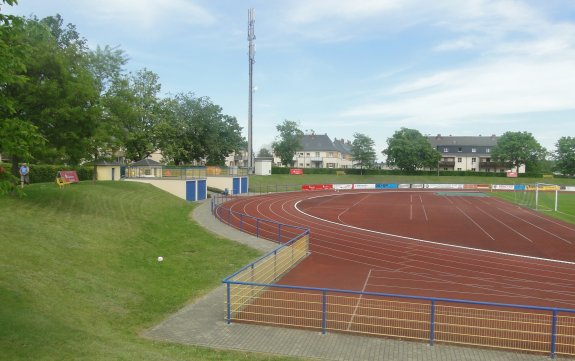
<point x="408" y="150"/>
<point x="133" y="103"/>
<point x="517" y="148"/>
<point x="565" y="155"/>
<point x="363" y="151"/>
<point x="287" y="142"/>
<point x="194" y="129"/>
<point x="58" y="98"/>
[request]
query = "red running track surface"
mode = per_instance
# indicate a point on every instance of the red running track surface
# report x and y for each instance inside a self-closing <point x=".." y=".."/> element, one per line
<point x="425" y="244"/>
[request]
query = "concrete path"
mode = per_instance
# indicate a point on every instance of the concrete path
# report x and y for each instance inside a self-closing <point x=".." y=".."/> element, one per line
<point x="203" y="324"/>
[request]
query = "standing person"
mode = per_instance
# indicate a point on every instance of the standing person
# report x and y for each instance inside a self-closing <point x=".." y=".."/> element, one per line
<point x="24" y="175"/>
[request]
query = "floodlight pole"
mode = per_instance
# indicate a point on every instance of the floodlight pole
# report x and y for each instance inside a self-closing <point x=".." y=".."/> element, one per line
<point x="251" y="54"/>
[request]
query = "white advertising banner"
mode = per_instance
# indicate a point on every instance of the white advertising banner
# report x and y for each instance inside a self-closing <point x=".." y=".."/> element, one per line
<point x="444" y="186"/>
<point x="503" y="187"/>
<point x="342" y="186"/>
<point x="364" y="186"/>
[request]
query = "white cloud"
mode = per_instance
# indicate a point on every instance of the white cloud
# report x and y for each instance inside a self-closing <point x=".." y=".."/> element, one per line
<point x="315" y="11"/>
<point x="150" y="13"/>
<point x="459" y="44"/>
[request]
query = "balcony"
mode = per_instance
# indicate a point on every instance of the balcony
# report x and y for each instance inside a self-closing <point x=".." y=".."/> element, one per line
<point x="447" y="163"/>
<point x="491" y="165"/>
<point x="316" y="159"/>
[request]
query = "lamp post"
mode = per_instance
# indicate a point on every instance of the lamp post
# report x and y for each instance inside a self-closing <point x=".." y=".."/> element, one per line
<point x="251" y="54"/>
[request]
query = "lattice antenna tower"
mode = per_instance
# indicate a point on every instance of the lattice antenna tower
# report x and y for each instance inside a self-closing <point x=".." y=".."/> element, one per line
<point x="251" y="54"/>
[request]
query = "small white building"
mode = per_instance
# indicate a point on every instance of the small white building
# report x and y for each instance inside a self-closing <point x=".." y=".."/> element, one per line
<point x="263" y="166"/>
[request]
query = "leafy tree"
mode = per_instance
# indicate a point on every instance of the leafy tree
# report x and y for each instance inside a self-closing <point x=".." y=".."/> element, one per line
<point x="57" y="99"/>
<point x="132" y="103"/>
<point x="265" y="152"/>
<point x="517" y="148"/>
<point x="408" y="150"/>
<point x="363" y="151"/>
<point x="565" y="155"/>
<point x="287" y="142"/>
<point x="194" y="129"/>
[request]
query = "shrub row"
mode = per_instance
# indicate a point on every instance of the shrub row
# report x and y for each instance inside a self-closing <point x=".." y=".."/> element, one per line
<point x="42" y="173"/>
<point x="355" y="171"/>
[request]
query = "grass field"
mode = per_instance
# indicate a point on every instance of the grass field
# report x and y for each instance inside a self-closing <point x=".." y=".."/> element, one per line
<point x="565" y="202"/>
<point x="79" y="279"/>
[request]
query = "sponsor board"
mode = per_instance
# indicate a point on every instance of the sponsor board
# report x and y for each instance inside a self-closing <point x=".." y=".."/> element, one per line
<point x="503" y="187"/>
<point x="543" y="188"/>
<point x="69" y="175"/>
<point x="296" y="171"/>
<point x="570" y="189"/>
<point x="342" y="186"/>
<point x="316" y="187"/>
<point x="403" y="186"/>
<point x="364" y="186"/>
<point x="386" y="186"/>
<point x="519" y="187"/>
<point x="444" y="186"/>
<point x="417" y="185"/>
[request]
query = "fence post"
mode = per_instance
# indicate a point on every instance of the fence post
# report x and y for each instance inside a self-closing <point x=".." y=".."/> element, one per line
<point x="432" y="324"/>
<point x="323" y="312"/>
<point x="258" y="227"/>
<point x="229" y="215"/>
<point x="241" y="221"/>
<point x="553" y="334"/>
<point x="229" y="305"/>
<point x="279" y="233"/>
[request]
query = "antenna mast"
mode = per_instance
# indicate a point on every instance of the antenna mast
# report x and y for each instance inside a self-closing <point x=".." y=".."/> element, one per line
<point x="251" y="54"/>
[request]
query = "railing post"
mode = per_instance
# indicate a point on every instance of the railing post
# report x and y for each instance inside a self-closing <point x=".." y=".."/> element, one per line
<point x="324" y="312"/>
<point x="229" y="305"/>
<point x="432" y="324"/>
<point x="258" y="227"/>
<point x="279" y="233"/>
<point x="553" y="334"/>
<point x="241" y="221"/>
<point x="229" y="216"/>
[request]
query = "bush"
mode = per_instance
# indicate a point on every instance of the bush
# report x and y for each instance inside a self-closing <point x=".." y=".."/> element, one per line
<point x="8" y="183"/>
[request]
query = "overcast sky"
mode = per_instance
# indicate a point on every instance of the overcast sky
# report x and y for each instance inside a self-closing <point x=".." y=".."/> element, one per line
<point x="472" y="67"/>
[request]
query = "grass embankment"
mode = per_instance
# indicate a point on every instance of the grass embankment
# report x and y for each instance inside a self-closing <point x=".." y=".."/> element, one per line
<point x="79" y="276"/>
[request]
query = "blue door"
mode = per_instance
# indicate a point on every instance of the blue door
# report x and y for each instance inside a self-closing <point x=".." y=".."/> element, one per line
<point x="244" y="184"/>
<point x="202" y="189"/>
<point x="191" y="190"/>
<point x="236" y="186"/>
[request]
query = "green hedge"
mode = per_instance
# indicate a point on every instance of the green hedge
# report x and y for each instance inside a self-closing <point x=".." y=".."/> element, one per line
<point x="355" y="171"/>
<point x="42" y="173"/>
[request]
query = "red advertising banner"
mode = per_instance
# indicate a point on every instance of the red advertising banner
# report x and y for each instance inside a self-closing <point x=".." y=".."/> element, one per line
<point x="296" y="171"/>
<point x="69" y="175"/>
<point x="316" y="187"/>
<point x="511" y="174"/>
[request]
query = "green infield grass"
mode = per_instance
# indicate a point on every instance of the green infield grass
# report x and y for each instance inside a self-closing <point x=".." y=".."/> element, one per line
<point x="80" y="280"/>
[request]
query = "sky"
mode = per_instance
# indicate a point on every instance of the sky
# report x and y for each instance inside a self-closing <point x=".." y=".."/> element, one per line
<point x="340" y="67"/>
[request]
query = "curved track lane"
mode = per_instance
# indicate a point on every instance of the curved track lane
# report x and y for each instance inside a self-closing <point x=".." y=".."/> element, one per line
<point x="347" y="257"/>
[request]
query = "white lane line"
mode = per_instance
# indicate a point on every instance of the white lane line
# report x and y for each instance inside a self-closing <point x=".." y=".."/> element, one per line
<point x="350" y="207"/>
<point x="536" y="226"/>
<point x="511" y="228"/>
<point x="478" y="226"/>
<point x="424" y="213"/>
<point x="359" y="300"/>
<point x="411" y="212"/>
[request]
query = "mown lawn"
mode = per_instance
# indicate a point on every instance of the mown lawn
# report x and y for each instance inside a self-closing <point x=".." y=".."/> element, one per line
<point x="79" y="276"/>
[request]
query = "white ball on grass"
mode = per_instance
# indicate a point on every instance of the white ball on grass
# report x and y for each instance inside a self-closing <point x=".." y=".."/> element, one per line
<point x="160" y="259"/>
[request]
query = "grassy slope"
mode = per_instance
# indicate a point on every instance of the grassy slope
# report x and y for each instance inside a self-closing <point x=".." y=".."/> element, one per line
<point x="79" y="277"/>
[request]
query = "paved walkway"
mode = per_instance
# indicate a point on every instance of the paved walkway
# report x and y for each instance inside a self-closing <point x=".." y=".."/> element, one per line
<point x="203" y="324"/>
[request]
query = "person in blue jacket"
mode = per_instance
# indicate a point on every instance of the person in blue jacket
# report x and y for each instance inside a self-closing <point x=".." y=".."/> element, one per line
<point x="24" y="174"/>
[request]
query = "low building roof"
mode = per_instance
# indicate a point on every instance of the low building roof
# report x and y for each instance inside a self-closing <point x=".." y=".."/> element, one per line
<point x="480" y="141"/>
<point x="146" y="163"/>
<point x="316" y="142"/>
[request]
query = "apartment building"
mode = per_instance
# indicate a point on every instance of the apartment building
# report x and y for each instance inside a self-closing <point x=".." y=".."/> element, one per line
<point x="319" y="151"/>
<point x="467" y="153"/>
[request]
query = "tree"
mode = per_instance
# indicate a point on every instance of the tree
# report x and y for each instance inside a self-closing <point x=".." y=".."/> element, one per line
<point x="363" y="151"/>
<point x="517" y="148"/>
<point x="565" y="156"/>
<point x="265" y="152"/>
<point x="408" y="150"/>
<point x="287" y="142"/>
<point x="57" y="98"/>
<point x="194" y="129"/>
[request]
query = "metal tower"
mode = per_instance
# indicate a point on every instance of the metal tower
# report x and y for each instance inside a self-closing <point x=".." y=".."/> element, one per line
<point x="251" y="54"/>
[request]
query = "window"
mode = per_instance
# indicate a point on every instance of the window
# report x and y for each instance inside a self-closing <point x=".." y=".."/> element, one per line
<point x="459" y="160"/>
<point x="473" y="160"/>
<point x="445" y="169"/>
<point x="317" y="154"/>
<point x="459" y="150"/>
<point x="301" y="164"/>
<point x="473" y="150"/>
<point x="307" y="165"/>
<point x="488" y="150"/>
<point x="307" y="154"/>
<point x="459" y="169"/>
<point x="473" y="169"/>
<point x="445" y="150"/>
<point x="330" y="154"/>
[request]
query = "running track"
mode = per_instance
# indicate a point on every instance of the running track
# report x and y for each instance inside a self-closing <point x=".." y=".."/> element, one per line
<point x="424" y="244"/>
